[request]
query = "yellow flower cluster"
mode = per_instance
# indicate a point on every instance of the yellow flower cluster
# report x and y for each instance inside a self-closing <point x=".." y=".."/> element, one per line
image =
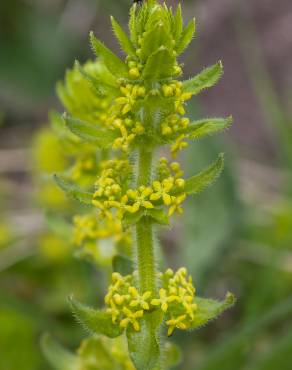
<point x="121" y="117"/>
<point x="85" y="165"/>
<point x="112" y="197"/>
<point x="178" y="145"/>
<point x="100" y="353"/>
<point x="176" y="299"/>
<point x="98" y="238"/>
<point x="113" y="179"/>
<point x="175" y="90"/>
<point x="134" y="67"/>
<point x="90" y="227"/>
<point x="126" y="304"/>
<point x="175" y="122"/>
<point x="80" y="99"/>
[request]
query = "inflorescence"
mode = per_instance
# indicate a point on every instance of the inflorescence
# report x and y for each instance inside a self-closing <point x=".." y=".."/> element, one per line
<point x="127" y="109"/>
<point x="175" y="299"/>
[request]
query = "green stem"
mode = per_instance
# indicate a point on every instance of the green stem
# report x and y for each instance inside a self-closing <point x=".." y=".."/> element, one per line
<point x="144" y="230"/>
<point x="145" y="256"/>
<point x="104" y="154"/>
<point x="145" y="166"/>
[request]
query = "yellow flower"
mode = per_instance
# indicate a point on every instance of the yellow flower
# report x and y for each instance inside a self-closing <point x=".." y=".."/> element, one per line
<point x="166" y="129"/>
<point x="178" y="145"/>
<point x="119" y="299"/>
<point x="180" y="183"/>
<point x="103" y="209"/>
<point x="131" y="318"/>
<point x="134" y="72"/>
<point x="167" y="90"/>
<point x="175" y="204"/>
<point x="84" y="228"/>
<point x="140" y="198"/>
<point x="121" y="205"/>
<point x="139" y="300"/>
<point x="187" y="302"/>
<point x="176" y="323"/>
<point x="184" y="122"/>
<point x="114" y="313"/>
<point x="124" y="141"/>
<point x="163" y="300"/>
<point x="162" y="191"/>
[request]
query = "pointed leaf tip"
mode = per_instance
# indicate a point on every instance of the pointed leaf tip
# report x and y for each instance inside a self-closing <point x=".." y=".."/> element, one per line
<point x="207" y="78"/>
<point x="208" y="126"/>
<point x="73" y="190"/>
<point x="186" y="36"/>
<point x="122" y="37"/>
<point x="210" y="309"/>
<point x="89" y="132"/>
<point x="205" y="178"/>
<point x="159" y="65"/>
<point x="230" y="299"/>
<point x="113" y="63"/>
<point x="95" y="321"/>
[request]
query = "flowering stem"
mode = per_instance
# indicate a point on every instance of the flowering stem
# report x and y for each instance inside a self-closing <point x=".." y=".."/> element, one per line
<point x="144" y="232"/>
<point x="145" y="249"/>
<point x="145" y="256"/>
<point x="145" y="166"/>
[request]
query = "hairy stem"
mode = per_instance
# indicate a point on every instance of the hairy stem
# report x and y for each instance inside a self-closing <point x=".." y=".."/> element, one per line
<point x="145" y="248"/>
<point x="144" y="232"/>
<point x="145" y="255"/>
<point x="145" y="166"/>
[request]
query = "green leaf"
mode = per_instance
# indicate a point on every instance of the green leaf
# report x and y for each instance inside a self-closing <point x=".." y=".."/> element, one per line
<point x="63" y="95"/>
<point x="58" y="357"/>
<point x="58" y="225"/>
<point x="73" y="190"/>
<point x="123" y="265"/>
<point x="177" y="24"/>
<point x="132" y="24"/>
<point x="229" y="351"/>
<point x="172" y="355"/>
<point x="208" y="126"/>
<point x="158" y="216"/>
<point x="186" y="37"/>
<point x="207" y="78"/>
<point x="132" y="218"/>
<point x="159" y="65"/>
<point x="205" y="178"/>
<point x="89" y="132"/>
<point x="95" y="321"/>
<point x="124" y="41"/>
<point x="95" y="83"/>
<point x="143" y="345"/>
<point x="154" y="39"/>
<point x="209" y="309"/>
<point x="112" y="62"/>
<point x="277" y="356"/>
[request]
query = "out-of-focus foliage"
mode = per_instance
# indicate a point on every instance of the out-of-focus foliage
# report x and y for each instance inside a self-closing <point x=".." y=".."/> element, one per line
<point x="212" y="218"/>
<point x="18" y="339"/>
<point x="33" y="59"/>
<point x="98" y="353"/>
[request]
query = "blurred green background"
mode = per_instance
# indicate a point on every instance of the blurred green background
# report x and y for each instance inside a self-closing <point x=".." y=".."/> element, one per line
<point x="236" y="236"/>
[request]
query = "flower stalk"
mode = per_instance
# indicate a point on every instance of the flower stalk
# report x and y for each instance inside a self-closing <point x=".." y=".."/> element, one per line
<point x="144" y="229"/>
<point x="145" y="256"/>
